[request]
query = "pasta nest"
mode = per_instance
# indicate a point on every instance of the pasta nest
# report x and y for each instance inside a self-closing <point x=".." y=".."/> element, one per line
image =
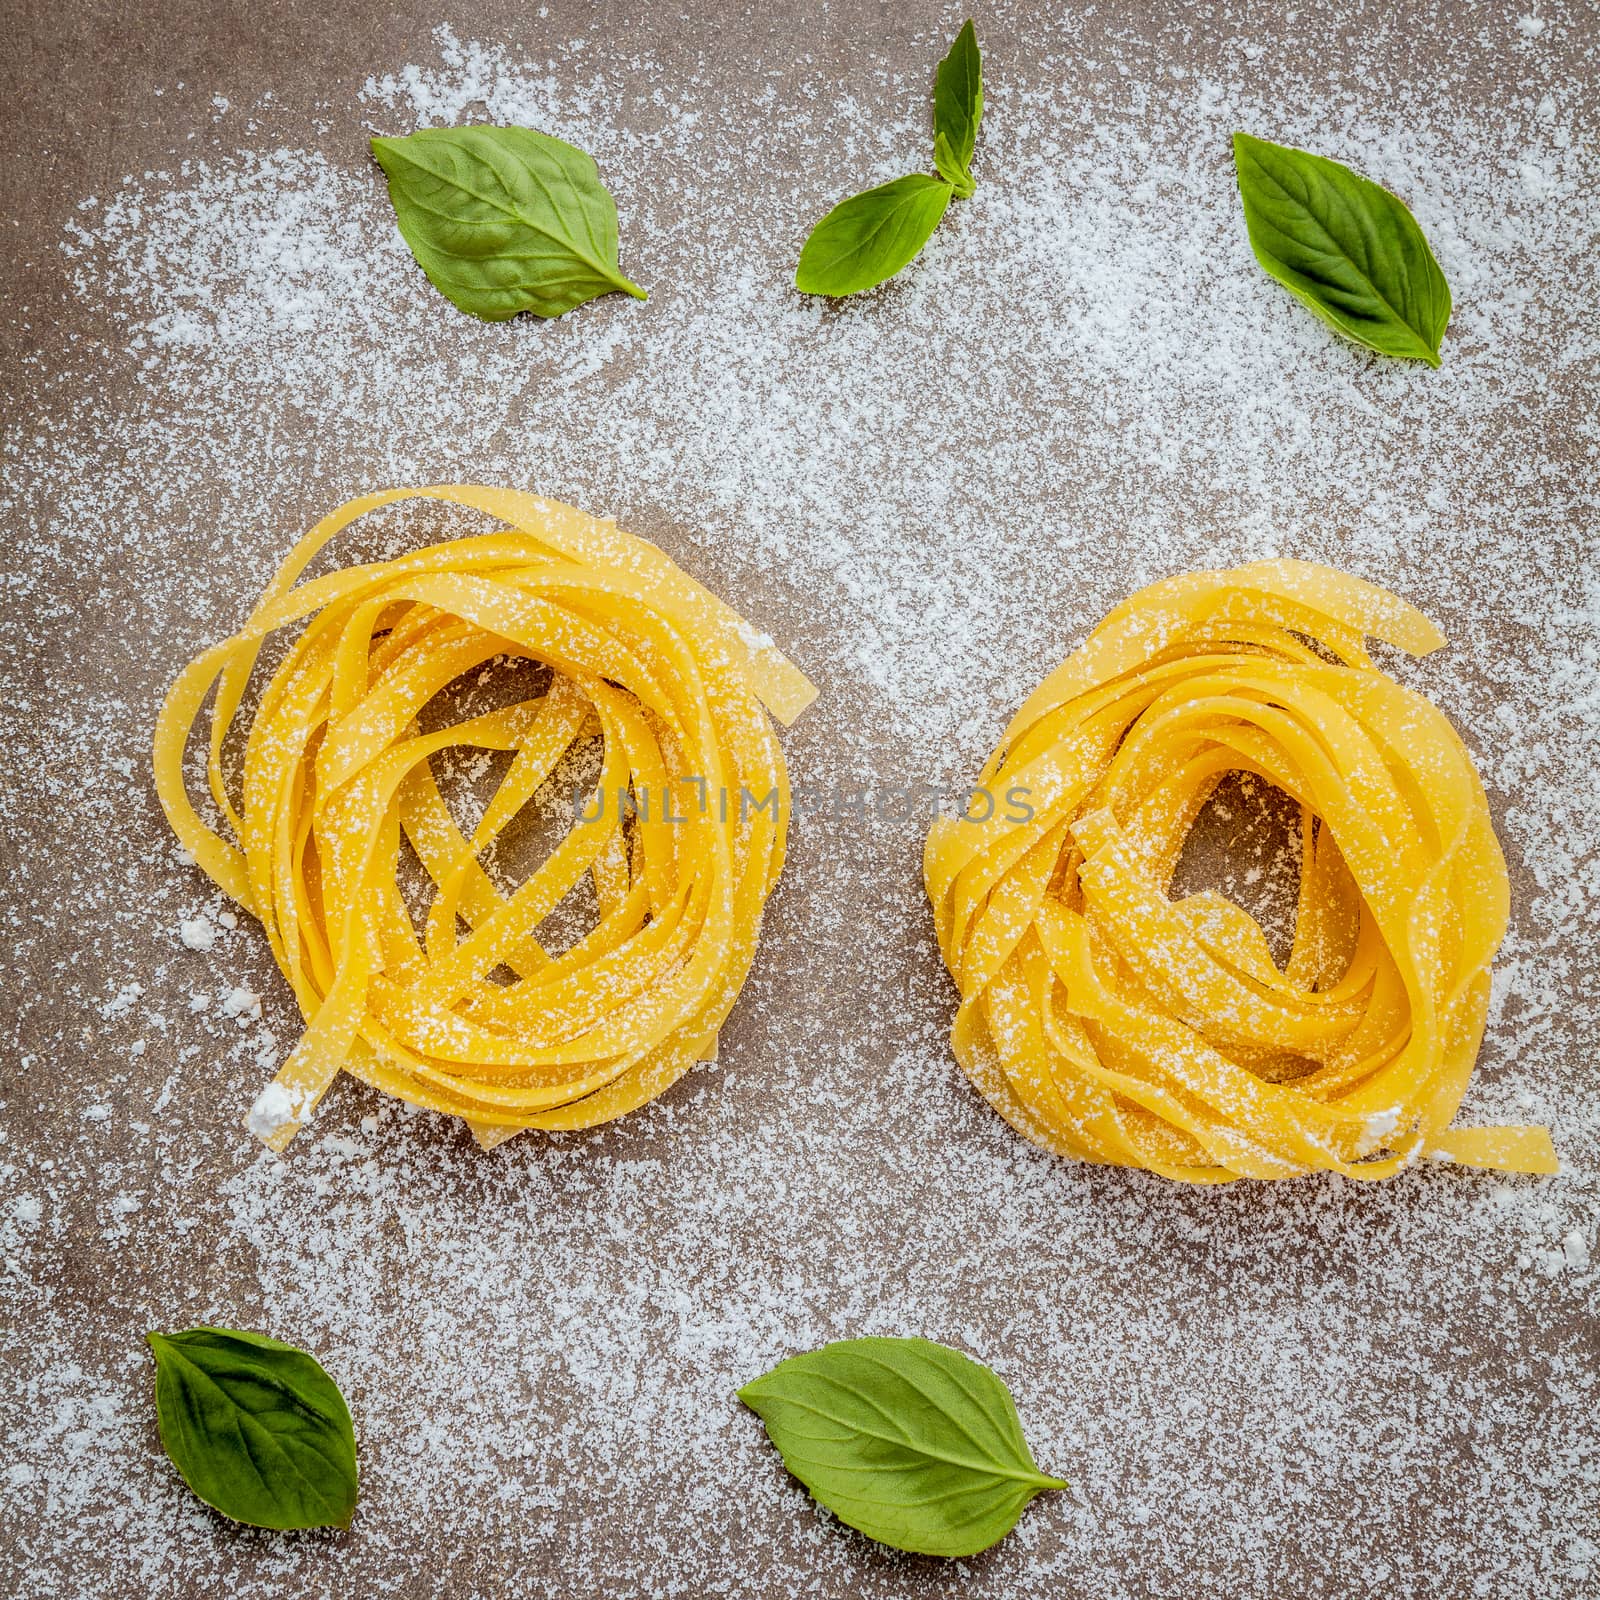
<point x="1111" y="1023"/>
<point x="460" y="1008"/>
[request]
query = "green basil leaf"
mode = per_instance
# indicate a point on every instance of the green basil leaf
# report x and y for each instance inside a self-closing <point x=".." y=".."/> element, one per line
<point x="1345" y="246"/>
<point x="912" y="1443"/>
<point x="951" y="170"/>
<point x="957" y="110"/>
<point x="256" y="1428"/>
<point x="868" y="238"/>
<point x="504" y="220"/>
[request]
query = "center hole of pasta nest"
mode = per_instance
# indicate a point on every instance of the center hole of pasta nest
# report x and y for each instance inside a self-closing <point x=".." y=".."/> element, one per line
<point x="1245" y="845"/>
<point x="468" y="780"/>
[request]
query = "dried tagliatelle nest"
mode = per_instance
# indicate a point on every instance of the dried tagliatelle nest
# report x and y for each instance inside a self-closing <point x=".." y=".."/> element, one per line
<point x="683" y="845"/>
<point x="1112" y="1023"/>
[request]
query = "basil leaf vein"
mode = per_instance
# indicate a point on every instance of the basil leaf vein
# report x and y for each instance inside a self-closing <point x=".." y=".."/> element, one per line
<point x="868" y="238"/>
<point x="957" y="110"/>
<point x="504" y="220"/>
<point x="256" y="1428"/>
<point x="1345" y="247"/>
<point x="911" y="1443"/>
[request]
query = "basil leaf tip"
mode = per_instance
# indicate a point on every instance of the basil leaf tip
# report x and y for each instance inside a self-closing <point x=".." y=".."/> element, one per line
<point x="868" y="238"/>
<point x="911" y="1443"/>
<point x="957" y="110"/>
<point x="256" y="1428"/>
<point x="1345" y="247"/>
<point x="504" y="220"/>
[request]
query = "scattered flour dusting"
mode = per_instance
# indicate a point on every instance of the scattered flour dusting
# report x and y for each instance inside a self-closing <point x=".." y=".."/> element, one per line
<point x="926" y="496"/>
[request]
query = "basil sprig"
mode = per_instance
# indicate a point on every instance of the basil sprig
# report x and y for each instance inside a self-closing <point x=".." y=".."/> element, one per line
<point x="504" y="220"/>
<point x="914" y="1444"/>
<point x="256" y="1428"/>
<point x="867" y="239"/>
<point x="1344" y="246"/>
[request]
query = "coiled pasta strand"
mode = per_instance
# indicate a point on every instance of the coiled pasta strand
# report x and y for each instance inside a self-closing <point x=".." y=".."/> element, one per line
<point x="336" y="770"/>
<point x="1112" y="1024"/>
